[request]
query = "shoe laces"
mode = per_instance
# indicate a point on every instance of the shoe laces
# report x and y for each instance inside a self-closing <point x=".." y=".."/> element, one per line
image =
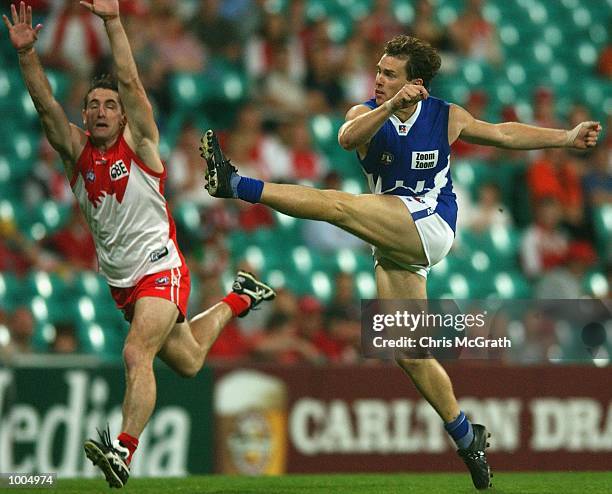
<point x="106" y="440"/>
<point x="105" y="437"/>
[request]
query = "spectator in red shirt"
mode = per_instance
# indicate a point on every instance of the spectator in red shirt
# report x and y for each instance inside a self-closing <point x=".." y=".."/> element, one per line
<point x="74" y="243"/>
<point x="312" y="327"/>
<point x="282" y="343"/>
<point x="555" y="174"/>
<point x="544" y="245"/>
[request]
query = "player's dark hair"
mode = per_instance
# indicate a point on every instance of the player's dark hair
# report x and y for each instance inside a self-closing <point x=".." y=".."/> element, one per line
<point x="422" y="59"/>
<point x="104" y="81"/>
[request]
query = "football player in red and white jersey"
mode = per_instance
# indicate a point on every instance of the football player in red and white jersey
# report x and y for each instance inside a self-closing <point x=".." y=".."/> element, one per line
<point x="117" y="175"/>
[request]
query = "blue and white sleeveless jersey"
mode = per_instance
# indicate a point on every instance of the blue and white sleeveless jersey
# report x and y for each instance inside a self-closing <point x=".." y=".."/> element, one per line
<point x="412" y="158"/>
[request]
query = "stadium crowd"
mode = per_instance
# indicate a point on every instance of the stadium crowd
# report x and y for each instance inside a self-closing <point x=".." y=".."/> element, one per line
<point x="276" y="77"/>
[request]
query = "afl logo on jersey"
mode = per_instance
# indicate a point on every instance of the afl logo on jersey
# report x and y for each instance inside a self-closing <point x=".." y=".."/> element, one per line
<point x="386" y="158"/>
<point x="118" y="170"/>
<point x="424" y="160"/>
<point x="90" y="176"/>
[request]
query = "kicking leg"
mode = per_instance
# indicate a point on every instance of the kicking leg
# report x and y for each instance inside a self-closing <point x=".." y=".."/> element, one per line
<point x="381" y="220"/>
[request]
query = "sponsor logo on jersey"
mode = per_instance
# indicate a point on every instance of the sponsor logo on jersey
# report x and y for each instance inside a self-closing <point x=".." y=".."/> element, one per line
<point x="118" y="170"/>
<point x="156" y="255"/>
<point x="424" y="160"/>
<point x="100" y="161"/>
<point x="90" y="176"/>
<point x="163" y="280"/>
<point x="386" y="158"/>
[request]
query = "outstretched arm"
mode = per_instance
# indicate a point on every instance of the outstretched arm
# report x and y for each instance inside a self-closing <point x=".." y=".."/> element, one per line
<point x="514" y="135"/>
<point x="131" y="91"/>
<point x="65" y="138"/>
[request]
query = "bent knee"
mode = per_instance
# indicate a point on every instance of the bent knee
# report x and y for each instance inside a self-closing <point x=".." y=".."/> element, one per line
<point x="188" y="370"/>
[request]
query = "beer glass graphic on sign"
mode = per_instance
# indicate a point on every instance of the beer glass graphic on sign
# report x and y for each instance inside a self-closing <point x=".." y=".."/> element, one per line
<point x="251" y="412"/>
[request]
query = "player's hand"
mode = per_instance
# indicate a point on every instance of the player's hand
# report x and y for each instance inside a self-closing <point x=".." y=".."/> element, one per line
<point x="22" y="35"/>
<point x="105" y="9"/>
<point x="409" y="95"/>
<point x="584" y="135"/>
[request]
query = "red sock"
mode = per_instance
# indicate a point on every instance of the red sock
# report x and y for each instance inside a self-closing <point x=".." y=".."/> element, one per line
<point x="130" y="442"/>
<point x="238" y="303"/>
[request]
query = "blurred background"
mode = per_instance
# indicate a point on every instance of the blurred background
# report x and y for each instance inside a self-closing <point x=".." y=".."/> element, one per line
<point x="275" y="78"/>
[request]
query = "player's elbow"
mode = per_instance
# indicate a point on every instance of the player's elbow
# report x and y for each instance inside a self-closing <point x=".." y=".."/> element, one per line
<point x="346" y="142"/>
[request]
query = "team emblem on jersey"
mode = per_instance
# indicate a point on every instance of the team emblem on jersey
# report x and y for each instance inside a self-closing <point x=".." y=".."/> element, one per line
<point x="386" y="158"/>
<point x="163" y="280"/>
<point x="424" y="160"/>
<point x="90" y="176"/>
<point x="118" y="170"/>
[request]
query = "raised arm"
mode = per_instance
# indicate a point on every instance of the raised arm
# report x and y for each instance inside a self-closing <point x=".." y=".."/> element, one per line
<point x="362" y="123"/>
<point x="514" y="135"/>
<point x="139" y="112"/>
<point x="65" y="138"/>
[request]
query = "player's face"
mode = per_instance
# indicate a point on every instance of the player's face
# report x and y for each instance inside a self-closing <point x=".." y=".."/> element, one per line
<point x="103" y="116"/>
<point x="390" y="78"/>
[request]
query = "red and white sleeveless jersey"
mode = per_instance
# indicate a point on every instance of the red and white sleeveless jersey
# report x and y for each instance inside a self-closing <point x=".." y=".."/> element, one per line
<point x="123" y="202"/>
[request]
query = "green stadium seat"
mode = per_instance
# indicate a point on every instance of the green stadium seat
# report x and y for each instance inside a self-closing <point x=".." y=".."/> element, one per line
<point x="471" y="174"/>
<point x="188" y="222"/>
<point x="13" y="292"/>
<point x="512" y="285"/>
<point x="321" y="285"/>
<point x="449" y="278"/>
<point x="90" y="284"/>
<point x="596" y="284"/>
<point x="340" y="28"/>
<point x="352" y="261"/>
<point x="189" y="91"/>
<point x="603" y="229"/>
<point x="318" y="9"/>
<point x="287" y="230"/>
<point x="403" y="11"/>
<point x="365" y="283"/>
<point x="345" y="163"/>
<point x="49" y="217"/>
<point x="20" y="150"/>
<point x="357" y="9"/>
<point x="43" y="336"/>
<point x="47" y="285"/>
<point x="96" y="339"/>
<point x="324" y="131"/>
<point x="500" y="244"/>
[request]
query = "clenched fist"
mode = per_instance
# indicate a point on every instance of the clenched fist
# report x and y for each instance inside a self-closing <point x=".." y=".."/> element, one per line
<point x="409" y="95"/>
<point x="584" y="135"/>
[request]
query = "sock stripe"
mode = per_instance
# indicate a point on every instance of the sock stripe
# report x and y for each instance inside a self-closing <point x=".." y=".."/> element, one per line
<point x="249" y="189"/>
<point x="460" y="430"/>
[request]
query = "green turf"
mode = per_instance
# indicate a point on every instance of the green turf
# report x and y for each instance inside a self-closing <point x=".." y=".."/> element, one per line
<point x="504" y="483"/>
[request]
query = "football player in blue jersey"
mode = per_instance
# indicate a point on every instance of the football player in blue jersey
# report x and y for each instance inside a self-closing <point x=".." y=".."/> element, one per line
<point x="402" y="137"/>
